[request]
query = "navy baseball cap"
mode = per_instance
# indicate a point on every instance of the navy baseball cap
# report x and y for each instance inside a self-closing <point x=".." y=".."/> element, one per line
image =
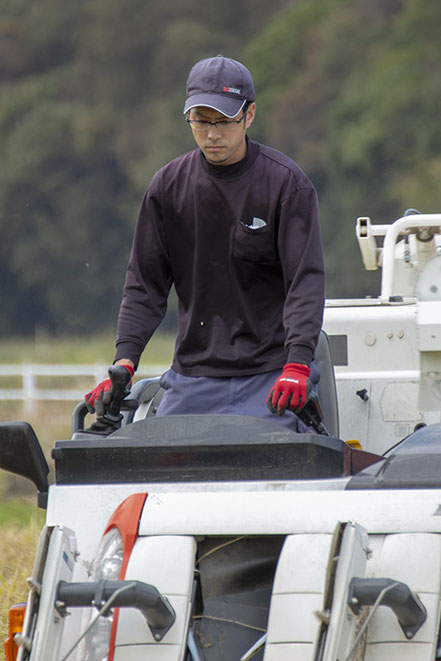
<point x="219" y="83"/>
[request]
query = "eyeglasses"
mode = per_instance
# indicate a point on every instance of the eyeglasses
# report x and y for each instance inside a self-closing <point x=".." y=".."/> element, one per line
<point x="222" y="124"/>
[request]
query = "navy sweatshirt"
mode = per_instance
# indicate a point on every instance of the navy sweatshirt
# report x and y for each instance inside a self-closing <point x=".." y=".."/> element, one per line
<point x="242" y="245"/>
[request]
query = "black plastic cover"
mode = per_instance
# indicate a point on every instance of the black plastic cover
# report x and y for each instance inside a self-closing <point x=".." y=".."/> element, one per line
<point x="202" y="448"/>
<point x="21" y="453"/>
<point x="413" y="464"/>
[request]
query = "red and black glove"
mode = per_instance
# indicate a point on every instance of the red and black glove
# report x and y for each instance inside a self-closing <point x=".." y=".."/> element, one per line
<point x="102" y="393"/>
<point x="290" y="390"/>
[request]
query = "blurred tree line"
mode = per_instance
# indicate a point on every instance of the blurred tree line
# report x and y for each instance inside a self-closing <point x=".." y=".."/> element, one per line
<point x="91" y="102"/>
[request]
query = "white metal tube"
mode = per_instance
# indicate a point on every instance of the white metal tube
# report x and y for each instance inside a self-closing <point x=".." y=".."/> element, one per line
<point x="379" y="230"/>
<point x="401" y="226"/>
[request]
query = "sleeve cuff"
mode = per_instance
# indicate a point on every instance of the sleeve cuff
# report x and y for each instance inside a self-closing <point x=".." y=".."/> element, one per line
<point x="128" y="350"/>
<point x="300" y="353"/>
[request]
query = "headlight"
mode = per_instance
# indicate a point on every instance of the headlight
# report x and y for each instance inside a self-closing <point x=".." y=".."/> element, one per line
<point x="107" y="566"/>
<point x="108" y="560"/>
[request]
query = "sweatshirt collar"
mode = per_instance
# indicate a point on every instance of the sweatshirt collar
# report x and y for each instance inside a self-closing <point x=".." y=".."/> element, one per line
<point x="234" y="170"/>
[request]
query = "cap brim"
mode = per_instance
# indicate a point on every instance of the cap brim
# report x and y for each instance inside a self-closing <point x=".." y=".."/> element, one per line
<point x="224" y="104"/>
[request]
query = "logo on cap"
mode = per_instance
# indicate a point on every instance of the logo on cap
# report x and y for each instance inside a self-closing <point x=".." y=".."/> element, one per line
<point x="233" y="90"/>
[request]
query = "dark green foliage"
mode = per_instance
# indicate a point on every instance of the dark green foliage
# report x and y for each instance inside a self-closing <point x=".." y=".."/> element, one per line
<point x="359" y="112"/>
<point x="90" y="106"/>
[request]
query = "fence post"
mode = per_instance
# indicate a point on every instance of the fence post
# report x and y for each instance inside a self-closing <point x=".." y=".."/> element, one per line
<point x="28" y="378"/>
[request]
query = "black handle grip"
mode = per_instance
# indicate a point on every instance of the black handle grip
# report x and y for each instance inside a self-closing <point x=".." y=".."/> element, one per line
<point x="80" y="412"/>
<point x="79" y="416"/>
<point x="311" y="414"/>
<point x="120" y="378"/>
<point x="111" y="420"/>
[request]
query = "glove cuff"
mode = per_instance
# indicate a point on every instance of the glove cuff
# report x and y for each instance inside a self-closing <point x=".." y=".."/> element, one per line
<point x="128" y="367"/>
<point x="298" y="367"/>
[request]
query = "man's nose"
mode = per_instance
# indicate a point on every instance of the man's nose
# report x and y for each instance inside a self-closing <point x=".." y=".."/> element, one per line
<point x="213" y="131"/>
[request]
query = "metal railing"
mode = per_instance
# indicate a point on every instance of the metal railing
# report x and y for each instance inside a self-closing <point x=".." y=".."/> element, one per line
<point x="31" y="392"/>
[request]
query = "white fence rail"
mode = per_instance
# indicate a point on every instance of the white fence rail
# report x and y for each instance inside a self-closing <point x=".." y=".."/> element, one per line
<point x="31" y="392"/>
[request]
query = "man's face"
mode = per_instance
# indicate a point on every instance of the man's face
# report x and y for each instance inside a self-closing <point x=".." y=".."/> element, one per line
<point x="222" y="146"/>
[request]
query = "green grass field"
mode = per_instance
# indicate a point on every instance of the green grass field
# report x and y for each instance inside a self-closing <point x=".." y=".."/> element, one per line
<point x="87" y="350"/>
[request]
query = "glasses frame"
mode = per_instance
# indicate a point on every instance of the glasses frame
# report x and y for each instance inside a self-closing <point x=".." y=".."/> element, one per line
<point x="208" y="124"/>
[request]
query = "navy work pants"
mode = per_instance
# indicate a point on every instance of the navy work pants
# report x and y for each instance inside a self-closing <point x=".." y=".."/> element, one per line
<point x="239" y="395"/>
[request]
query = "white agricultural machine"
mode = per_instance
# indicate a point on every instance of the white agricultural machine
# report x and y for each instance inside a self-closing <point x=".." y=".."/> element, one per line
<point x="226" y="538"/>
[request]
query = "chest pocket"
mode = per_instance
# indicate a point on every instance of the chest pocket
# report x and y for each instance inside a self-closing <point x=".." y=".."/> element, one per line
<point x="253" y="244"/>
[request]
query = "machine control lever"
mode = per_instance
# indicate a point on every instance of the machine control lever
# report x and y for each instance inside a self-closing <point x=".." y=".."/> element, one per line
<point x="312" y="416"/>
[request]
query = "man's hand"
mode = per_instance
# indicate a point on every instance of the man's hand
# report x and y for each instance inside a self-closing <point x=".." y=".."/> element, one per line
<point x="101" y="395"/>
<point x="290" y="390"/>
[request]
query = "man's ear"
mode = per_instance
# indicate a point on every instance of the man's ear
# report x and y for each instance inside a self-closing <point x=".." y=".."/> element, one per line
<point x="251" y="112"/>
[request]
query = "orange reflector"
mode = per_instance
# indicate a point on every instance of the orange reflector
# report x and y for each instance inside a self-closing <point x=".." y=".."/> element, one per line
<point x="354" y="444"/>
<point x="16" y="617"/>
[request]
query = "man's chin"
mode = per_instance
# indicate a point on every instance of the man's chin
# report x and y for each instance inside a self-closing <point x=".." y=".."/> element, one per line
<point x="214" y="153"/>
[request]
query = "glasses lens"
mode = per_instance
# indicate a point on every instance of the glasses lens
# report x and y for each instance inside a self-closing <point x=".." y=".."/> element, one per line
<point x="226" y="126"/>
<point x="199" y="126"/>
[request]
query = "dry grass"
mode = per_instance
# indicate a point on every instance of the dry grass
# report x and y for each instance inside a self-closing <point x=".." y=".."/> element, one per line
<point x="18" y="542"/>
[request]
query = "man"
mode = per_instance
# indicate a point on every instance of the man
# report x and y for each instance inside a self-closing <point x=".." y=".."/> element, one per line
<point x="234" y="225"/>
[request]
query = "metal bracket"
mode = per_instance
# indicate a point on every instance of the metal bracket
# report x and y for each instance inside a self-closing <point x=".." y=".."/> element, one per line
<point x="410" y="612"/>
